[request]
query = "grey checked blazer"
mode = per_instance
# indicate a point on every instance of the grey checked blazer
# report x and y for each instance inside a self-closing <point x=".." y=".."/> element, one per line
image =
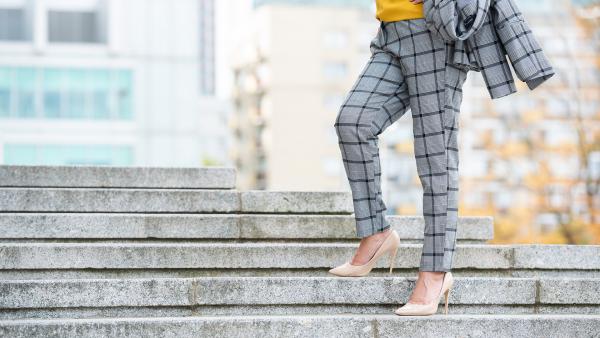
<point x="483" y="33"/>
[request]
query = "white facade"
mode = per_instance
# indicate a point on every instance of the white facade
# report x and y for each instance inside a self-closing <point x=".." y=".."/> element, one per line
<point x="104" y="82"/>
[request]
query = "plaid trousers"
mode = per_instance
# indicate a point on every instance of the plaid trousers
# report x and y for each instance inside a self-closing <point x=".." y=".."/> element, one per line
<point x="409" y="67"/>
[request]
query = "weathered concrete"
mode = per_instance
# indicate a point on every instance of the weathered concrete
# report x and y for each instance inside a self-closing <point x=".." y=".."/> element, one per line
<point x="276" y="272"/>
<point x="119" y="230"/>
<point x="117" y="177"/>
<point x="278" y="310"/>
<point x="261" y="291"/>
<point x="215" y="226"/>
<point x="580" y="291"/>
<point x="347" y="326"/>
<point x="535" y="256"/>
<point x="273" y="255"/>
<point x="225" y="255"/>
<point x="172" y="200"/>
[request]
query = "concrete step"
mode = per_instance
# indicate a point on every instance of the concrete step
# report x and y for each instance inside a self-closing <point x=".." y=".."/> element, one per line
<point x="311" y="326"/>
<point x="259" y="256"/>
<point x="86" y="226"/>
<point x="289" y="295"/>
<point x="116" y="177"/>
<point x="173" y="200"/>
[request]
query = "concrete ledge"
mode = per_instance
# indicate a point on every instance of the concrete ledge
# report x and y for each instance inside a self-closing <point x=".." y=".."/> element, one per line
<point x="178" y="255"/>
<point x="215" y="226"/>
<point x="347" y="326"/>
<point x="284" y="290"/>
<point x="266" y="291"/>
<point x="117" y="177"/>
<point x="278" y="310"/>
<point x="172" y="200"/>
<point x="580" y="291"/>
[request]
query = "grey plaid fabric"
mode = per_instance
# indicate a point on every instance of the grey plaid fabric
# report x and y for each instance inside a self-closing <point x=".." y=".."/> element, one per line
<point x="409" y="68"/>
<point x="455" y="19"/>
<point x="483" y="33"/>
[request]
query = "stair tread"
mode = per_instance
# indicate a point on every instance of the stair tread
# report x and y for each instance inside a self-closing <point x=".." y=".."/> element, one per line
<point x="217" y="226"/>
<point x="288" y="290"/>
<point x="330" y="325"/>
<point x="116" y="176"/>
<point x="281" y="255"/>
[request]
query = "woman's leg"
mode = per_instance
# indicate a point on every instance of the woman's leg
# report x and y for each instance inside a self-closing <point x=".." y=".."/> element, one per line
<point x="377" y="99"/>
<point x="434" y="87"/>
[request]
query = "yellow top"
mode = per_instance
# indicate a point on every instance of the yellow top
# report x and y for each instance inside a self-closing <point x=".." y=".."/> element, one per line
<point x="394" y="10"/>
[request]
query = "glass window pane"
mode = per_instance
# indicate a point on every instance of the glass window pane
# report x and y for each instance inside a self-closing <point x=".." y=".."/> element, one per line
<point x="71" y="26"/>
<point x="4" y="102"/>
<point x="5" y="88"/>
<point x="52" y="105"/>
<point x="54" y="81"/>
<point x="75" y="105"/>
<point x="75" y="94"/>
<point x="99" y="86"/>
<point x="12" y="24"/>
<point x="100" y="109"/>
<point x="124" y="95"/>
<point x="26" y="86"/>
<point x="66" y="93"/>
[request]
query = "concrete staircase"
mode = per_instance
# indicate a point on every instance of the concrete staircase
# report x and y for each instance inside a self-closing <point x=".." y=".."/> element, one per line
<point x="178" y="252"/>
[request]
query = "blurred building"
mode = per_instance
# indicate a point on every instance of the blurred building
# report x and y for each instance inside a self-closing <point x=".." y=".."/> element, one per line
<point x="290" y="77"/>
<point x="109" y="82"/>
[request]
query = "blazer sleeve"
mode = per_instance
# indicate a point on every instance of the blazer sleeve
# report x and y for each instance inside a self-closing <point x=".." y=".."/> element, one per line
<point x="522" y="48"/>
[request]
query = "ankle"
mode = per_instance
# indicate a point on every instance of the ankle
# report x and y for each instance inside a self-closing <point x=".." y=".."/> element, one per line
<point x="432" y="275"/>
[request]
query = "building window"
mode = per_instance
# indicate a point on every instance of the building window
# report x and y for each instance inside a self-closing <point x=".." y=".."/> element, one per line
<point x="66" y="154"/>
<point x="74" y="27"/>
<point x="13" y="25"/>
<point x="65" y="93"/>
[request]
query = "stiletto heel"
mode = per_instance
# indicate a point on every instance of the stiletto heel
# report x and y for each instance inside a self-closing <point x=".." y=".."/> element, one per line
<point x="390" y="244"/>
<point x="410" y="309"/>
<point x="392" y="259"/>
<point x="446" y="294"/>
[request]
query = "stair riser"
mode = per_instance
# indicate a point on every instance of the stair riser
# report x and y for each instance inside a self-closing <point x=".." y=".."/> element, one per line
<point x="322" y="272"/>
<point x="313" y="326"/>
<point x="288" y="291"/>
<point x="282" y="310"/>
<point x="242" y="226"/>
<point x="116" y="177"/>
<point x="172" y="200"/>
<point x="286" y="255"/>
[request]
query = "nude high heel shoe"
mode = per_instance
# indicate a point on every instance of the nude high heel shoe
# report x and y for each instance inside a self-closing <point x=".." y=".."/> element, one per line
<point x="410" y="309"/>
<point x="390" y="245"/>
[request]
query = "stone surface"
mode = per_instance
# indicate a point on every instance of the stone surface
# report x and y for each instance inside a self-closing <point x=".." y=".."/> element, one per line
<point x="183" y="246"/>
<point x="116" y="177"/>
<point x="570" y="290"/>
<point x="534" y="256"/>
<point x="261" y="291"/>
<point x="13" y="274"/>
<point x="265" y="255"/>
<point x="344" y="325"/>
<point x="279" y="310"/>
<point x="211" y="226"/>
<point x="171" y="200"/>
<point x="296" y="201"/>
<point x="225" y="255"/>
